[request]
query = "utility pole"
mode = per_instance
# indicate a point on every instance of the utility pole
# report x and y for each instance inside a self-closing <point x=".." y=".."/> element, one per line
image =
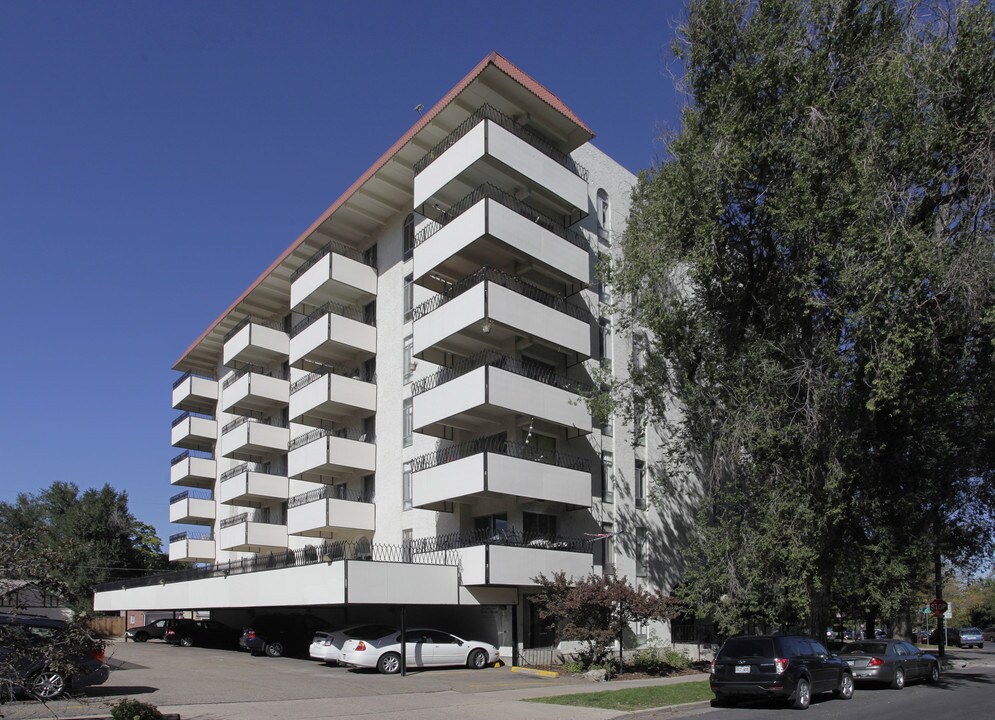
<point x="941" y="626"/>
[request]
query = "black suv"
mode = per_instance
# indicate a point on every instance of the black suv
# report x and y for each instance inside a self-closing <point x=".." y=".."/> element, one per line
<point x="791" y="667"/>
<point x="155" y="630"/>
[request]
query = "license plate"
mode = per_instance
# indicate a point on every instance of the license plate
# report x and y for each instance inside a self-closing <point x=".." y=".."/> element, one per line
<point x="742" y="669"/>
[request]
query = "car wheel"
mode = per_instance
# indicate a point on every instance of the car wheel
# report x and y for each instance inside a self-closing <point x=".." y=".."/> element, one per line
<point x="186" y="642"/>
<point x="898" y="682"/>
<point x="477" y="659"/>
<point x="844" y="691"/>
<point x="274" y="649"/>
<point x="803" y="695"/>
<point x="389" y="663"/>
<point x="934" y="674"/>
<point x="47" y="685"/>
<point x="141" y="637"/>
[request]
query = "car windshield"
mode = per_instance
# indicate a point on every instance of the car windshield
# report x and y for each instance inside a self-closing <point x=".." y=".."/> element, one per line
<point x="970" y="631"/>
<point x="864" y="649"/>
<point x="747" y="647"/>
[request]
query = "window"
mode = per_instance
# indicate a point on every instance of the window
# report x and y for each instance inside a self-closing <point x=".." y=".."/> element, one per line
<point x="604" y="286"/>
<point x="340" y="491"/>
<point x="604" y="550"/>
<point x="370" y="256"/>
<point x="409" y="297"/>
<point x="538" y="525"/>
<point x="408" y="359"/>
<point x="639" y="347"/>
<point x="406" y="542"/>
<point x="369" y="488"/>
<point x="409" y="422"/>
<point x="604" y="216"/>
<point x="640" y="481"/>
<point x="608" y="426"/>
<point x="492" y="526"/>
<point x="605" y="342"/>
<point x="640" y="552"/>
<point x="406" y="487"/>
<point x="409" y="236"/>
<point x="607" y="477"/>
<point x="544" y="446"/>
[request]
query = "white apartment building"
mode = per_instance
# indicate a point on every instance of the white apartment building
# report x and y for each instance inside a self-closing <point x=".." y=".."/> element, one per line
<point x="392" y="415"/>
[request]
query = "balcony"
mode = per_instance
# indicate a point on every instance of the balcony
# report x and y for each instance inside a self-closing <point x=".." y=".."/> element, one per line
<point x="478" y="394"/>
<point x="327" y="512"/>
<point x="248" y="439"/>
<point x="336" y="272"/>
<point x="492" y="308"/>
<point x="490" y="227"/>
<point x="333" y="395"/>
<point x="191" y="547"/>
<point x="256" y="342"/>
<point x="192" y="507"/>
<point x="243" y="533"/>
<point x="494" y="467"/>
<point x="252" y="389"/>
<point x="194" y="432"/>
<point x="334" y="334"/>
<point x="490" y="142"/>
<point x="511" y="558"/>
<point x="250" y="485"/>
<point x="194" y="393"/>
<point x="193" y="470"/>
<point x="324" y="455"/>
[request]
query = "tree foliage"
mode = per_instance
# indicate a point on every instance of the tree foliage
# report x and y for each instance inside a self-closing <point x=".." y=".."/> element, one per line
<point x="814" y="265"/>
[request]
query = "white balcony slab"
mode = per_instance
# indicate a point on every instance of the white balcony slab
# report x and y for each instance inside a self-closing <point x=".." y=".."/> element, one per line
<point x="482" y="400"/>
<point x="191" y="551"/>
<point x="195" y="472"/>
<point x="256" y="344"/>
<point x="331" y="456"/>
<point x="488" y="142"/>
<point x="490" y="474"/>
<point x="334" y="277"/>
<point x="332" y="518"/>
<point x="254" y="439"/>
<point x="196" y="394"/>
<point x="253" y="537"/>
<point x="518" y="565"/>
<point x="192" y="511"/>
<point x="334" y="340"/>
<point x="333" y="398"/>
<point x="255" y="392"/>
<point x="195" y="433"/>
<point x="489" y="313"/>
<point x="253" y="489"/>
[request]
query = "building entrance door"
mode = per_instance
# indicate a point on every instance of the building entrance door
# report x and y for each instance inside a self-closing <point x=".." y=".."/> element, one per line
<point x="537" y="634"/>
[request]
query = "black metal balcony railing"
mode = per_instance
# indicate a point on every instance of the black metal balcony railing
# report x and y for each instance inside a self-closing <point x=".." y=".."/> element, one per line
<point x="499" y="277"/>
<point x="185" y="376"/>
<point x="486" y="112"/>
<point x="186" y="535"/>
<point x="357" y="434"/>
<point x="332" y="246"/>
<point x="490" y="192"/>
<point x="203" y="455"/>
<point x="247" y="517"/>
<point x="249" y="320"/>
<point x="355" y="373"/>
<point x="498" y="444"/>
<point x="244" y="468"/>
<point x="238" y="422"/>
<point x="187" y="415"/>
<point x="352" y="312"/>
<point x="192" y="495"/>
<point x="490" y="358"/>
<point x="328" y="492"/>
<point x="258" y="369"/>
<point x="537" y="541"/>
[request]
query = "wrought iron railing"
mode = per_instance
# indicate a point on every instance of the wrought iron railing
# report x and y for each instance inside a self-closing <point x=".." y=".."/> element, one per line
<point x="187" y="535"/>
<point x="491" y="192"/>
<point x="490" y="358"/>
<point x="332" y="246"/>
<point x="201" y="454"/>
<point x="187" y="415"/>
<point x="498" y="444"/>
<point x="238" y="422"/>
<point x="499" y="277"/>
<point x="328" y="492"/>
<point x="354" y="373"/>
<point x="511" y="536"/>
<point x="249" y="320"/>
<point x="357" y="434"/>
<point x="192" y="495"/>
<point x="258" y="369"/>
<point x="486" y="112"/>
<point x="244" y="468"/>
<point x="352" y="312"/>
<point x="185" y="376"/>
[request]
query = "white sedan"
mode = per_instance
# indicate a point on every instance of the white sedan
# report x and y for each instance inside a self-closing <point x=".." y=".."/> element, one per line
<point x="425" y="648"/>
<point x="327" y="645"/>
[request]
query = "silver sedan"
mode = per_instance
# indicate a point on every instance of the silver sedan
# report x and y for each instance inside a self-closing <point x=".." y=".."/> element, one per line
<point x="894" y="662"/>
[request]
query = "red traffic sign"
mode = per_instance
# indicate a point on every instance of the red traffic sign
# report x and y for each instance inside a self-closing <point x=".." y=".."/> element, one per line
<point x="938" y="606"/>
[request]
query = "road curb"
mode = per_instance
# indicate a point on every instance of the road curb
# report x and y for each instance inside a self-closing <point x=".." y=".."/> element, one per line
<point x="534" y="672"/>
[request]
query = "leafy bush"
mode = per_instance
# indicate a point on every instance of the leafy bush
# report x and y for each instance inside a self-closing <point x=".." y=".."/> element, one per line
<point x="658" y="661"/>
<point x="135" y="710"/>
<point x="573" y="666"/>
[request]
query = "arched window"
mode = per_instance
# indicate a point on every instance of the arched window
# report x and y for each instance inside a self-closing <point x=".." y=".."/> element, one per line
<point x="409" y="236"/>
<point x="604" y="216"/>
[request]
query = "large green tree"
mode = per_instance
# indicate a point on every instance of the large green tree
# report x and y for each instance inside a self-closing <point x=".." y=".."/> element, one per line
<point x="92" y="532"/>
<point x="814" y="264"/>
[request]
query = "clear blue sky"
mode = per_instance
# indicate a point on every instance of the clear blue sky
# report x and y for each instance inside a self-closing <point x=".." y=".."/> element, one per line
<point x="155" y="157"/>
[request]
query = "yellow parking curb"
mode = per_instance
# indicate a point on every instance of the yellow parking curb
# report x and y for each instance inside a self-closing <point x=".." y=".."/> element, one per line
<point x="533" y="671"/>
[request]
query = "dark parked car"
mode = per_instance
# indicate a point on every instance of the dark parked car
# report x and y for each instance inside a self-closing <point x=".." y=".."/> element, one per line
<point x="277" y="635"/>
<point x="23" y="670"/>
<point x="890" y="661"/>
<point x="155" y="630"/>
<point x="202" y="633"/>
<point x="988" y="634"/>
<point x="790" y="667"/>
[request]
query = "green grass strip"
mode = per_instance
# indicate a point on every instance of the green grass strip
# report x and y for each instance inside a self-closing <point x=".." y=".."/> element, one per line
<point x="641" y="698"/>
